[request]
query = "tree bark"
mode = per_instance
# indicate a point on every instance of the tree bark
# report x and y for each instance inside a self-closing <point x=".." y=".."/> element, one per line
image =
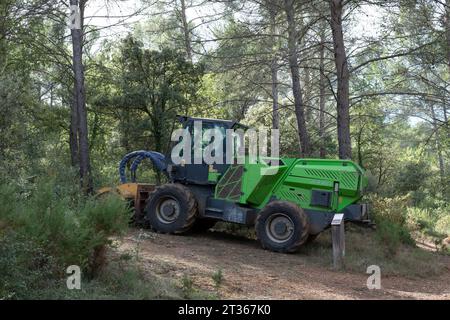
<point x="307" y="95"/>
<point x="447" y="35"/>
<point x="439" y="150"/>
<point x="80" y="95"/>
<point x="73" y="132"/>
<point x="343" y="78"/>
<point x="305" y="149"/>
<point x="187" y="36"/>
<point x="3" y="33"/>
<point x="275" y="105"/>
<point x="322" y="98"/>
<point x="447" y="29"/>
<point x="359" y="146"/>
<point x="274" y="71"/>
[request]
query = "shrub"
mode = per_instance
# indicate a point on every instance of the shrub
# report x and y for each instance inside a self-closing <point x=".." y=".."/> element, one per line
<point x="433" y="221"/>
<point x="217" y="278"/>
<point x="392" y="235"/>
<point x="390" y="217"/>
<point x="102" y="218"/>
<point x="420" y="218"/>
<point x="411" y="175"/>
<point x="48" y="225"/>
<point x="389" y="209"/>
<point x="443" y="225"/>
<point x="23" y="266"/>
<point x="187" y="286"/>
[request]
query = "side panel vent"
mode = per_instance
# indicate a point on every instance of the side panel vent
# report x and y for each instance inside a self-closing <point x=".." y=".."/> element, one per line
<point x="321" y="198"/>
<point x="230" y="185"/>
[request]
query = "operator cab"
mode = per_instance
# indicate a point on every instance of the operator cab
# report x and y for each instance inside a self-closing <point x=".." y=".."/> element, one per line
<point x="197" y="172"/>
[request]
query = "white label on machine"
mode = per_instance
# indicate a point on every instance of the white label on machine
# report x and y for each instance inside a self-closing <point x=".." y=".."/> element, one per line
<point x="337" y="219"/>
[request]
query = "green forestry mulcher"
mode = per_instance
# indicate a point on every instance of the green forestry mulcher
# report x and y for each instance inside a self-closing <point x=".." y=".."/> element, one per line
<point x="287" y="208"/>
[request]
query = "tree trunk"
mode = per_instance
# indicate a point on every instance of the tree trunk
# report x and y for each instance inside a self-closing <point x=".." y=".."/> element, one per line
<point x="307" y="96"/>
<point x="359" y="146"/>
<point x="274" y="72"/>
<point x="187" y="36"/>
<point x="305" y="149"/>
<point x="444" y="111"/>
<point x="275" y="105"/>
<point x="447" y="34"/>
<point x="78" y="69"/>
<point x="3" y="50"/>
<point x="439" y="150"/>
<point x="447" y="29"/>
<point x="73" y="132"/>
<point x="343" y="78"/>
<point x="125" y="130"/>
<point x="322" y="97"/>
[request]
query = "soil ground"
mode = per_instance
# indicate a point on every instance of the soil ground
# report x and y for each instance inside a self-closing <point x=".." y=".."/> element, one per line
<point x="250" y="272"/>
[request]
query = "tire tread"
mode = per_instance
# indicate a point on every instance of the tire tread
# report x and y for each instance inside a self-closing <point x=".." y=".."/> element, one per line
<point x="283" y="206"/>
<point x="192" y="209"/>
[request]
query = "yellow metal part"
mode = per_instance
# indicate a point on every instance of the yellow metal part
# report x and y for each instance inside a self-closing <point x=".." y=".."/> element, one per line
<point x="136" y="193"/>
<point x="126" y="190"/>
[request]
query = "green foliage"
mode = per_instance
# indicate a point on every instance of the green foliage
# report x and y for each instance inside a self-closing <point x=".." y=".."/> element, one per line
<point x="443" y="225"/>
<point x="29" y="273"/>
<point x="45" y="225"/>
<point x="431" y="218"/>
<point x="390" y="217"/>
<point x="24" y="266"/>
<point x="411" y="175"/>
<point x="392" y="235"/>
<point x="420" y="218"/>
<point x="150" y="88"/>
<point x="135" y="85"/>
<point x="187" y="286"/>
<point x="392" y="210"/>
<point x="218" y="278"/>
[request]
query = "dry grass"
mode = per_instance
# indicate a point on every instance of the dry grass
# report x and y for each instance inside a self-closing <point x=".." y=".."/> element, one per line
<point x="363" y="249"/>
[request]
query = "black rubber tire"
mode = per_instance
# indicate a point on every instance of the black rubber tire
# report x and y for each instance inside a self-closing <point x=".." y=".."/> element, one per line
<point x="298" y="218"/>
<point x="187" y="204"/>
<point x="203" y="225"/>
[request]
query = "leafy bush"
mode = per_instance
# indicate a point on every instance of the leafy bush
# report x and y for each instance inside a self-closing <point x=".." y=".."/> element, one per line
<point x="390" y="217"/>
<point x="218" y="278"/>
<point x="391" y="210"/>
<point x="23" y="265"/>
<point x="420" y="218"/>
<point x="102" y="218"/>
<point x="433" y="221"/>
<point x="187" y="286"/>
<point x="392" y="235"/>
<point x="411" y="175"/>
<point x="443" y="225"/>
<point x="47" y="224"/>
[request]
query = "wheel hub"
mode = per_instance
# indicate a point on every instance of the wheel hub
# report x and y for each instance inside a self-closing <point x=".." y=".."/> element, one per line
<point x="167" y="210"/>
<point x="279" y="228"/>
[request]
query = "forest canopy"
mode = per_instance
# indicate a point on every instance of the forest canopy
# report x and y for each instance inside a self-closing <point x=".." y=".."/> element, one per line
<point x="361" y="80"/>
<point x="84" y="82"/>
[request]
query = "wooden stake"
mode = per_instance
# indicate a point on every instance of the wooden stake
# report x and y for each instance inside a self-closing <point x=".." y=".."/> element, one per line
<point x="338" y="237"/>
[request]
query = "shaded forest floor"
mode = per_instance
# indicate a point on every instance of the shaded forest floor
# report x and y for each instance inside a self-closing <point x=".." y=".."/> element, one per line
<point x="248" y="272"/>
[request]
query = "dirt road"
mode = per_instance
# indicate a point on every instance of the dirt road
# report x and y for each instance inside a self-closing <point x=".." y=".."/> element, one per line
<point x="252" y="273"/>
